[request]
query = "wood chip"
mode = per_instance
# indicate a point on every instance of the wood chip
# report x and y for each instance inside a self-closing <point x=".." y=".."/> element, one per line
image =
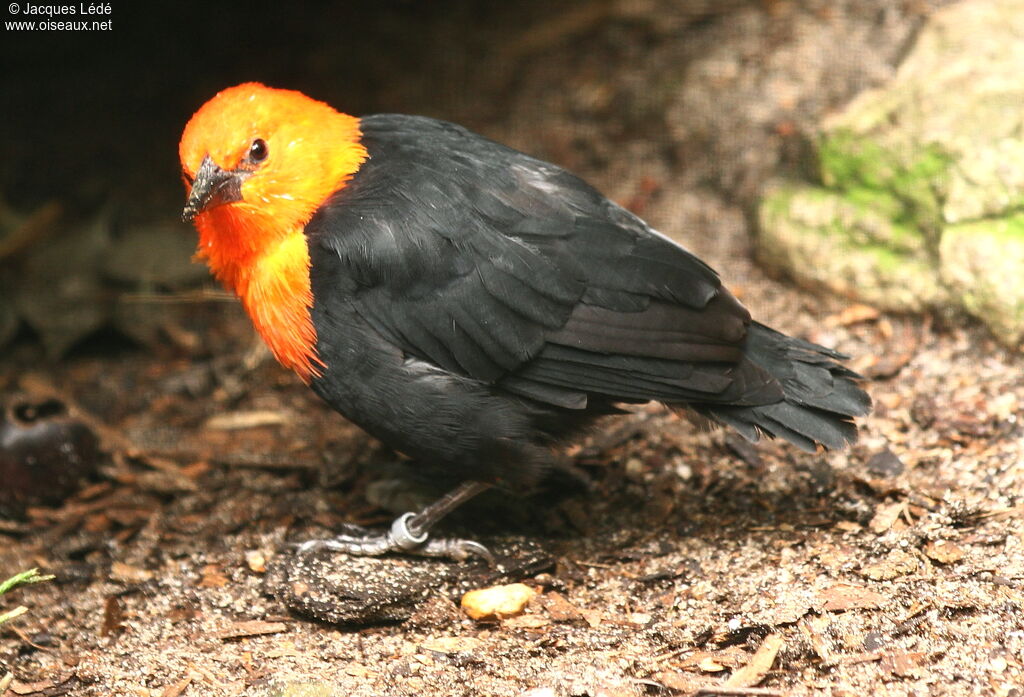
<point x="710" y="665"/>
<point x="113" y="616"/>
<point x="943" y="552"/>
<point x="681" y="682"/>
<point x="238" y="420"/>
<point x="213" y="577"/>
<point x="177" y="688"/>
<point x="885" y="516"/>
<point x="29" y="688"/>
<point x="452" y="644"/>
<point x="559" y="609"/>
<point x="526" y="622"/>
<point x="251" y="628"/>
<point x="813" y="628"/>
<point x="357" y="670"/>
<point x="897" y="563"/>
<point x="126" y="573"/>
<point x="540" y="692"/>
<point x="903" y="664"/>
<point x="847" y="596"/>
<point x="497" y="601"/>
<point x="759" y="665"/>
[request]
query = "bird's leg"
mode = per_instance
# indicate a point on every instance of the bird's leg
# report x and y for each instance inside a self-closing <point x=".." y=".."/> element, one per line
<point x="410" y="533"/>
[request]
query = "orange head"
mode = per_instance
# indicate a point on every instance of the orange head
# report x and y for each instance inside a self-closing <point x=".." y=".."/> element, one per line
<point x="257" y="163"/>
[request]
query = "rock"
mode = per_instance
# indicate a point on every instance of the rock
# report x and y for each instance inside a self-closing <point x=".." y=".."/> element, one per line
<point x="826" y="240"/>
<point x="356" y="591"/>
<point x="497" y="601"/>
<point x="359" y="591"/>
<point x="983" y="263"/>
<point x="920" y="180"/>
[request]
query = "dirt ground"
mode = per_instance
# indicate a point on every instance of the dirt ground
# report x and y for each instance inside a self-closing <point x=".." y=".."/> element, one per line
<point x="672" y="561"/>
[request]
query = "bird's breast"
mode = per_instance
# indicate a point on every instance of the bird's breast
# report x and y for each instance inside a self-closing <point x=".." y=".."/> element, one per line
<point x="277" y="295"/>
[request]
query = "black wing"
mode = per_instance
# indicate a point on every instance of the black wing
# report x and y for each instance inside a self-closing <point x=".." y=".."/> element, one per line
<point x="497" y="266"/>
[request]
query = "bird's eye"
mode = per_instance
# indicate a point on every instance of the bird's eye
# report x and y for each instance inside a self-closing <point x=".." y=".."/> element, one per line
<point x="258" y="150"/>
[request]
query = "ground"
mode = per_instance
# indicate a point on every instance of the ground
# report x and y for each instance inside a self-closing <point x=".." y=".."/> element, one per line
<point x="673" y="560"/>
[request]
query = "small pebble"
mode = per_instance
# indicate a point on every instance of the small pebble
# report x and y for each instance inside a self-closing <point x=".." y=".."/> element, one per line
<point x="497" y="601"/>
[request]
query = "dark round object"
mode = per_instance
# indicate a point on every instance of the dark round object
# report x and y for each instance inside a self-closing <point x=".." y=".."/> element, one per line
<point x="44" y="453"/>
<point x="258" y="150"/>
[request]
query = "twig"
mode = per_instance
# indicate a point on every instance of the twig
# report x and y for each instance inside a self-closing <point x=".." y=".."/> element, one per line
<point x="724" y="691"/>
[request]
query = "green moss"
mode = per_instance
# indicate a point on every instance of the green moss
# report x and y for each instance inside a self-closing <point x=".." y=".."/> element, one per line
<point x="1010" y="229"/>
<point x="888" y="260"/>
<point x="848" y="161"/>
<point x="876" y="201"/>
<point x="905" y="187"/>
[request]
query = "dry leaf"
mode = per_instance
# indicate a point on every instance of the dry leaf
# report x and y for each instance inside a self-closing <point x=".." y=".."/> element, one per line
<point x="126" y="573"/>
<point x="759" y="665"/>
<point x="250" y="628"/>
<point x="943" y="552"/>
<point x="526" y="622"/>
<point x="559" y="609"/>
<point x="29" y="688"/>
<point x="897" y="563"/>
<point x="903" y="664"/>
<point x="885" y="515"/>
<point x="213" y="577"/>
<point x="847" y="596"/>
<point x="710" y="665"/>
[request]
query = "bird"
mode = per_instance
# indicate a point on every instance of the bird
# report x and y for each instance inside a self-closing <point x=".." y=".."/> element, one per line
<point x="474" y="307"/>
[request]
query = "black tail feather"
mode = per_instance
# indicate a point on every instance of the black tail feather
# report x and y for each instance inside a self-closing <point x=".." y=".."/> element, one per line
<point x="820" y="396"/>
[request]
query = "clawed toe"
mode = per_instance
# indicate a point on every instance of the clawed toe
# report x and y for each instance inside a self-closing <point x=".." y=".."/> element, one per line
<point x="402" y="538"/>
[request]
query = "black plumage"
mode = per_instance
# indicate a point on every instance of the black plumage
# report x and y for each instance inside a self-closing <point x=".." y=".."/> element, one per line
<point x="473" y="303"/>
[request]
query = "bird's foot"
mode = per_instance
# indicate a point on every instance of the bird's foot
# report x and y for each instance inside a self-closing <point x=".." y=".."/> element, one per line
<point x="403" y="537"/>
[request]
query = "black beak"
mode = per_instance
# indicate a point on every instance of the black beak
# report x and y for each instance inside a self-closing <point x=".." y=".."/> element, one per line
<point x="211" y="187"/>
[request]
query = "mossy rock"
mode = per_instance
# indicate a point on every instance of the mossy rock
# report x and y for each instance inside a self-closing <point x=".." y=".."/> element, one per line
<point x="825" y="240"/>
<point x="983" y="262"/>
<point x="921" y="181"/>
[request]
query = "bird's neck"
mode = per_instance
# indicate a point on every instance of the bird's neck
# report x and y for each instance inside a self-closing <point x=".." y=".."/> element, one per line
<point x="268" y="269"/>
